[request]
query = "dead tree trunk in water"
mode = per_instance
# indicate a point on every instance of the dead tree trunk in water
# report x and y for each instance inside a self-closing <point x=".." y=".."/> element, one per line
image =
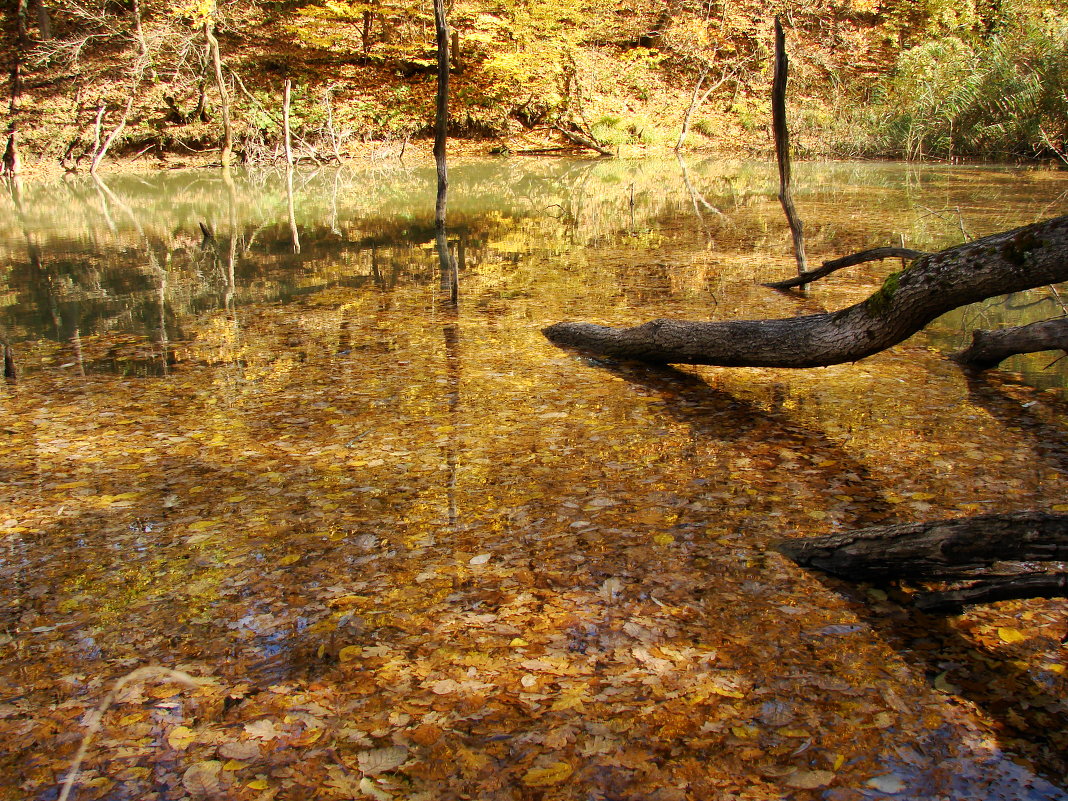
<point x="995" y="553"/>
<point x="782" y="145"/>
<point x="1025" y="258"/>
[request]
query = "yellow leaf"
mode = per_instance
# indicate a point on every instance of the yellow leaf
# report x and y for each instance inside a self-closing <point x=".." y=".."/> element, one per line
<point x="290" y="559"/>
<point x="200" y="525"/>
<point x="236" y="499"/>
<point x="663" y="539"/>
<point x="545" y="777"/>
<point x="744" y="732"/>
<point x="180" y="737"/>
<point x="349" y="653"/>
<point x="923" y="496"/>
<point x="1011" y="635"/>
<point x="257" y="784"/>
<point x="518" y="642"/>
<point x="1054" y="667"/>
<point x="233" y="764"/>
<point x="1060" y="507"/>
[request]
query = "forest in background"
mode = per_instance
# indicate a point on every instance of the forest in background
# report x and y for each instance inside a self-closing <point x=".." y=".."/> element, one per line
<point x="942" y="79"/>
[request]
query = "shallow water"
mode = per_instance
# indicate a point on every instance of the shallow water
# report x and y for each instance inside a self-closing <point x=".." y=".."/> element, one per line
<point x="268" y="450"/>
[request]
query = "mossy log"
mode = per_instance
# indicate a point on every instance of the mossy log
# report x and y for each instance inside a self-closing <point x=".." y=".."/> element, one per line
<point x="1012" y="261"/>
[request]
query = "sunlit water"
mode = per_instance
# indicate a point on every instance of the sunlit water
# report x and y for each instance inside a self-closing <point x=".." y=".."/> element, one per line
<point x="252" y="438"/>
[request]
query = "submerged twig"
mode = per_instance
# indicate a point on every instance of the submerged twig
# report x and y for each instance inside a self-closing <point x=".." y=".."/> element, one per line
<point x="95" y="718"/>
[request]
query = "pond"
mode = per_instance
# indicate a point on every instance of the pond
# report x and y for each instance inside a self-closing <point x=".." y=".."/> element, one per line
<point x="409" y="549"/>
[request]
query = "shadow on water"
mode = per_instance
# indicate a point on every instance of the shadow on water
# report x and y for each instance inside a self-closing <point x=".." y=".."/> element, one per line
<point x="1030" y="720"/>
<point x="714" y="414"/>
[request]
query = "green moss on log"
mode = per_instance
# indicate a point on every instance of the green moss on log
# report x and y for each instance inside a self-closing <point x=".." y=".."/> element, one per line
<point x="878" y="302"/>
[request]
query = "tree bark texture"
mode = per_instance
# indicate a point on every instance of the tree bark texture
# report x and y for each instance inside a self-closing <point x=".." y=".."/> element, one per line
<point x="990" y="348"/>
<point x="937" y="550"/>
<point x="835" y="265"/>
<point x="1024" y="258"/>
<point x="782" y="146"/>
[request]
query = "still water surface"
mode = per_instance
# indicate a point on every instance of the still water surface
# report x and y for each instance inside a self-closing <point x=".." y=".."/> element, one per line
<point x="252" y="437"/>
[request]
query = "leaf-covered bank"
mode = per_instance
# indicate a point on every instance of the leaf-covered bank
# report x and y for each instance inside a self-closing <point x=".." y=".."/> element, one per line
<point x="943" y="79"/>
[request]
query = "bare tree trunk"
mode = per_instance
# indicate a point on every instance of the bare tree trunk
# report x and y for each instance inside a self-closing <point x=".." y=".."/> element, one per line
<point x="1025" y="258"/>
<point x="441" y="132"/>
<point x="286" y="96"/>
<point x="102" y="149"/>
<point x="782" y="145"/>
<point x="334" y="143"/>
<point x="11" y="163"/>
<point x="44" y="20"/>
<point x="695" y="104"/>
<point x="224" y="95"/>
<point x="294" y="232"/>
<point x="139" y="32"/>
<point x="441" y="116"/>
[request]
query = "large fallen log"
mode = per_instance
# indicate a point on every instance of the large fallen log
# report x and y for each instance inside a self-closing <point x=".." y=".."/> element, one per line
<point x="1024" y="258"/>
<point x="990" y="348"/>
<point x="1000" y="556"/>
<point x="941" y="549"/>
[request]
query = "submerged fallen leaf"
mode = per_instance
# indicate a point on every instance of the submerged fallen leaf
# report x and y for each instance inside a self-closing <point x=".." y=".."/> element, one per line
<point x="262" y="729"/>
<point x="368" y="788"/>
<point x="887" y="783"/>
<point x="180" y="737"/>
<point x="381" y="760"/>
<point x="245" y="751"/>
<point x="1011" y="635"/>
<point x="549" y="775"/>
<point x="203" y="777"/>
<point x="810" y="779"/>
<point x="349" y="653"/>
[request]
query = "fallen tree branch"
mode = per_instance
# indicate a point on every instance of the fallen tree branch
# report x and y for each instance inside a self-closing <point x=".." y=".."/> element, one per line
<point x="1007" y="588"/>
<point x="828" y="267"/>
<point x="1024" y="258"/>
<point x="93" y="722"/>
<point x="990" y="348"/>
<point x="583" y="141"/>
<point x="935" y="550"/>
